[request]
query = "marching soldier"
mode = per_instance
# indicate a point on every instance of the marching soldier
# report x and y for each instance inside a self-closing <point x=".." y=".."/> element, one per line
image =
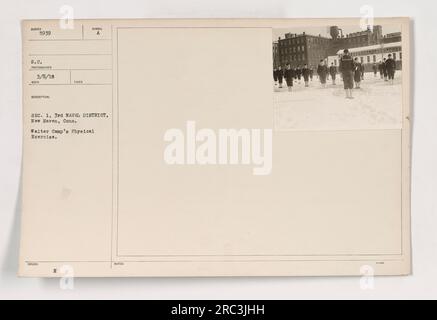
<point x="347" y="68"/>
<point x="280" y="75"/>
<point x="275" y="75"/>
<point x="289" y="75"/>
<point x="375" y="69"/>
<point x="333" y="72"/>
<point x="306" y="72"/>
<point x="390" y="66"/>
<point x="381" y="69"/>
<point x="299" y="73"/>
<point x="384" y="69"/>
<point x="322" y="71"/>
<point x="358" y="73"/>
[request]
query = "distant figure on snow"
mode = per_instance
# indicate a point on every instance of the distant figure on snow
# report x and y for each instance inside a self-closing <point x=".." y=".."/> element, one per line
<point x="390" y="66"/>
<point x="306" y="73"/>
<point x="381" y="69"/>
<point x="289" y="75"/>
<point x="375" y="69"/>
<point x="280" y="75"/>
<point x="333" y="72"/>
<point x="384" y="69"/>
<point x="347" y="68"/>
<point x="322" y="71"/>
<point x="357" y="73"/>
<point x="299" y="73"/>
<point x="275" y="75"/>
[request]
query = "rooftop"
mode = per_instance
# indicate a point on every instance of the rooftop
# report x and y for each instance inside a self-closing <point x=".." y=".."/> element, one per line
<point x="374" y="47"/>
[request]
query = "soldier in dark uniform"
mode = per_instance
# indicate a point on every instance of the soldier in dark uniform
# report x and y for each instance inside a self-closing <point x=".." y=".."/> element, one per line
<point x="333" y="72"/>
<point x="357" y="73"/>
<point x="306" y="75"/>
<point x="295" y="73"/>
<point x="275" y="75"/>
<point x="299" y="73"/>
<point x="384" y="69"/>
<point x="390" y="66"/>
<point x="347" y="68"/>
<point x="280" y="75"/>
<point x="322" y="71"/>
<point x="289" y="75"/>
<point x="375" y="69"/>
<point x="381" y="69"/>
<point x="363" y="70"/>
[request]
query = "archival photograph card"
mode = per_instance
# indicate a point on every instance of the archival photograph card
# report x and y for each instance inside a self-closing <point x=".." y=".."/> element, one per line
<point x="240" y="147"/>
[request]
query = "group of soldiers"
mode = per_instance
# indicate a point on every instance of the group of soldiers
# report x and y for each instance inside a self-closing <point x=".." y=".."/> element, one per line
<point x="386" y="68"/>
<point x="323" y="71"/>
<point x="351" y="70"/>
<point x="291" y="74"/>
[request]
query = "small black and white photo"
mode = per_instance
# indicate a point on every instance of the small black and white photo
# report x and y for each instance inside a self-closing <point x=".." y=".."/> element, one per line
<point x="338" y="77"/>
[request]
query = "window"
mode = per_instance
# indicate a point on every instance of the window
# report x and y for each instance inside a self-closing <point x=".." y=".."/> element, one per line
<point x="374" y="58"/>
<point x="394" y="55"/>
<point x="368" y="59"/>
<point x="362" y="59"/>
<point x="400" y="55"/>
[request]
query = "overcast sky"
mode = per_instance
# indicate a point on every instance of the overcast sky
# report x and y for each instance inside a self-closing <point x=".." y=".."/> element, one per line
<point x="324" y="31"/>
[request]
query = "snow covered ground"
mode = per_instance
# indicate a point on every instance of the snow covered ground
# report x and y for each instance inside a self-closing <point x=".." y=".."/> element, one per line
<point x="377" y="105"/>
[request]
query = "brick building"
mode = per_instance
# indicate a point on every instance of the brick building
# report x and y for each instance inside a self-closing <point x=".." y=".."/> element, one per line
<point x="276" y="62"/>
<point x="392" y="37"/>
<point x="300" y="49"/>
<point x="354" y="40"/>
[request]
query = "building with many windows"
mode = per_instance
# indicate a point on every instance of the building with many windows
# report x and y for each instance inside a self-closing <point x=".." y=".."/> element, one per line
<point x="370" y="55"/>
<point x="276" y="62"/>
<point x="301" y="49"/>
<point x="354" y="40"/>
<point x="392" y="37"/>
